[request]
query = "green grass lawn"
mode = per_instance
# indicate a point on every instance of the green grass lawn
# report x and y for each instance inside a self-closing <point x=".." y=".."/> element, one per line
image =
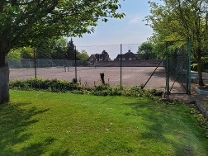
<point x="44" y="123"/>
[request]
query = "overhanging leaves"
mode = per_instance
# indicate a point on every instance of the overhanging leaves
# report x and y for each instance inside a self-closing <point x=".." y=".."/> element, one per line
<point x="24" y="22"/>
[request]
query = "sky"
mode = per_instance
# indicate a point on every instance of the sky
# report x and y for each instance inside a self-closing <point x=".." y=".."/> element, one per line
<point x="130" y="31"/>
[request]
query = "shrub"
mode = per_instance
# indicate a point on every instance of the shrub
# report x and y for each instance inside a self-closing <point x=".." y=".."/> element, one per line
<point x="56" y="85"/>
<point x="19" y="84"/>
<point x="53" y="85"/>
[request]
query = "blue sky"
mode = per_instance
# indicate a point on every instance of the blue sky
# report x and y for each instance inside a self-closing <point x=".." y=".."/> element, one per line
<point x="129" y="30"/>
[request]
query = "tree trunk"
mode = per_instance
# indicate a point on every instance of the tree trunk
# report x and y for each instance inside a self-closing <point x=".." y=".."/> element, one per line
<point x="4" y="70"/>
<point x="4" y="84"/>
<point x="199" y="69"/>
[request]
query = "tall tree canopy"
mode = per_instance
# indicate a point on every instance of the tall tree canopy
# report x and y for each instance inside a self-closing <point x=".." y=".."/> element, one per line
<point x="179" y="20"/>
<point x="82" y="55"/>
<point x="145" y="51"/>
<point x="29" y="22"/>
<point x="70" y="53"/>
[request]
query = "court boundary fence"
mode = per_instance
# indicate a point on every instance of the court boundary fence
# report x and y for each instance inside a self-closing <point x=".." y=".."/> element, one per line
<point x="178" y="67"/>
<point x="124" y="60"/>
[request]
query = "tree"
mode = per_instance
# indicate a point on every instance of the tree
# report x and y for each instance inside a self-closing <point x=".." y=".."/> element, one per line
<point x="59" y="53"/>
<point x="60" y="48"/>
<point x="15" y="55"/>
<point x="52" y="48"/>
<point x="70" y="53"/>
<point x="145" y="51"/>
<point x="180" y="20"/>
<point x="29" y="22"/>
<point x="82" y="55"/>
<point x="27" y="53"/>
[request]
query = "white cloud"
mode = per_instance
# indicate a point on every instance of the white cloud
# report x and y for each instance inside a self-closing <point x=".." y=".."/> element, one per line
<point x="135" y="20"/>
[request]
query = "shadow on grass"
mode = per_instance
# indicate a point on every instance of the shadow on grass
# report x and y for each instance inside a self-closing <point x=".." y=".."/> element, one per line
<point x="14" y="120"/>
<point x="58" y="153"/>
<point x="161" y="128"/>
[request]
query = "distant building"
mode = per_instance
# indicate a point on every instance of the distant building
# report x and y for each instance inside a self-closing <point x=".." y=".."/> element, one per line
<point x="129" y="56"/>
<point x="92" y="58"/>
<point x="104" y="57"/>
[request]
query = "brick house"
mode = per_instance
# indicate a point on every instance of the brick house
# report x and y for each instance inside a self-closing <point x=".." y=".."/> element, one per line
<point x="103" y="57"/>
<point x="129" y="56"/>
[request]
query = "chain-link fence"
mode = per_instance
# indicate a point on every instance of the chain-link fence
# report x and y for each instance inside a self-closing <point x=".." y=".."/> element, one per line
<point x="116" y="64"/>
<point x="178" y="69"/>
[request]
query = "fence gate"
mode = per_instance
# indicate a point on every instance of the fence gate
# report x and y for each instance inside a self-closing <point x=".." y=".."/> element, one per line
<point x="178" y="68"/>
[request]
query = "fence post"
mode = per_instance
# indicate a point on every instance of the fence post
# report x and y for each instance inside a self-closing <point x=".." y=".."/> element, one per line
<point x="121" y="65"/>
<point x="35" y="63"/>
<point x="189" y="67"/>
<point x="75" y="63"/>
<point x="167" y="71"/>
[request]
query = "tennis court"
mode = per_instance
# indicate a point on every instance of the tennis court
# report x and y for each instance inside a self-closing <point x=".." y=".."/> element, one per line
<point x="90" y="76"/>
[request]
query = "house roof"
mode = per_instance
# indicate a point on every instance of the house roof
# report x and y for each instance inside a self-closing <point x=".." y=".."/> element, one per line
<point x="127" y="55"/>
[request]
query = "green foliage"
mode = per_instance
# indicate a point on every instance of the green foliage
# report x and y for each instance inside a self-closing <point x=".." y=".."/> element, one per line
<point x="50" y="49"/>
<point x="43" y="53"/>
<point x="27" y="52"/>
<point x="175" y="20"/>
<point x="15" y="55"/>
<point x="204" y="61"/>
<point x="200" y="118"/>
<point x="32" y="23"/>
<point x="56" y="85"/>
<point x="58" y="48"/>
<point x="52" y="18"/>
<point x="19" y="53"/>
<point x="53" y="48"/>
<point x="146" y="51"/>
<point x="106" y="90"/>
<point x="82" y="55"/>
<point x="53" y="85"/>
<point x="71" y="51"/>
